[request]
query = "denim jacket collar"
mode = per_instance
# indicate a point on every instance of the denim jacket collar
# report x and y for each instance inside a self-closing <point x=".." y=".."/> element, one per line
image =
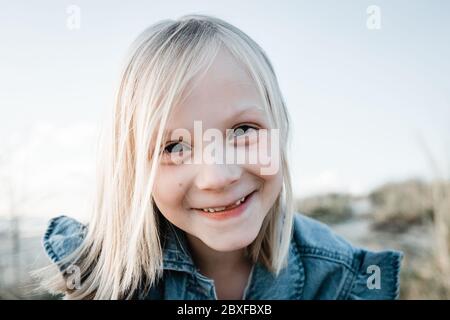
<point x="262" y="284"/>
<point x="176" y="254"/>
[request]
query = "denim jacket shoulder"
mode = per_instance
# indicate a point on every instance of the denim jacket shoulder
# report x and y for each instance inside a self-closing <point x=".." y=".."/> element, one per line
<point x="62" y="237"/>
<point x="321" y="265"/>
<point x="335" y="269"/>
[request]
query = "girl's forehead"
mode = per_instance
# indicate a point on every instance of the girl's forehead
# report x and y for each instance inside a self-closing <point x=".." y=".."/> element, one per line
<point x="216" y="105"/>
<point x="216" y="97"/>
<point x="219" y="97"/>
<point x="225" y="75"/>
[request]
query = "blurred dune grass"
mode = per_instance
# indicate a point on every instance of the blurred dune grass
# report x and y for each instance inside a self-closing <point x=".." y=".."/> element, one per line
<point x="412" y="216"/>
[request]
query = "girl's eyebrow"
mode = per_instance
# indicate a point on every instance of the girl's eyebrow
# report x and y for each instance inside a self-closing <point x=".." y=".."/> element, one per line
<point x="241" y="111"/>
<point x="250" y="108"/>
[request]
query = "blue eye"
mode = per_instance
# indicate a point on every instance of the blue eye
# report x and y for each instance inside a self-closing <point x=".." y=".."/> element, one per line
<point x="244" y="129"/>
<point x="175" y="147"/>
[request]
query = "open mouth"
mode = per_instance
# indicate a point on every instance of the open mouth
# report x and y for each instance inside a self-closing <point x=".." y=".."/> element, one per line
<point x="218" y="210"/>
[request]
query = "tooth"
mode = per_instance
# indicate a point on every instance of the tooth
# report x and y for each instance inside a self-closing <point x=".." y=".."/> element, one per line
<point x="218" y="209"/>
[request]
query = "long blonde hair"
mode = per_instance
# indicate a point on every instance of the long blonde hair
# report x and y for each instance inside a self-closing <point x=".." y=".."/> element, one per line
<point x="121" y="252"/>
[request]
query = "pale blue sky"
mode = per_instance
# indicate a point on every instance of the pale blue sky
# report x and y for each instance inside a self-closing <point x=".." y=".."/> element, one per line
<point x="358" y="97"/>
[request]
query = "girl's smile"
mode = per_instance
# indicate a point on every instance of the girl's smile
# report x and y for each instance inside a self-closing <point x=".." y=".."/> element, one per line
<point x="234" y="209"/>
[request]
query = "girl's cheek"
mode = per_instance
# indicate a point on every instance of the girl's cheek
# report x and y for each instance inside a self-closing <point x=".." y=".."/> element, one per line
<point x="170" y="186"/>
<point x="266" y="160"/>
<point x="266" y="179"/>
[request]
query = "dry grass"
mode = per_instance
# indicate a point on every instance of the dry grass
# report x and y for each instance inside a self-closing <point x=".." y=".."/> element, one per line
<point x="400" y="205"/>
<point x="329" y="208"/>
<point x="412" y="216"/>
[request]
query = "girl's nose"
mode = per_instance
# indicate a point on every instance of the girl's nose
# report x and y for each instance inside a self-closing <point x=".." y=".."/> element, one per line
<point x="217" y="176"/>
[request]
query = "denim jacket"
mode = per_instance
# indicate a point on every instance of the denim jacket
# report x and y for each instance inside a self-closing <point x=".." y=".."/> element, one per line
<point x="321" y="265"/>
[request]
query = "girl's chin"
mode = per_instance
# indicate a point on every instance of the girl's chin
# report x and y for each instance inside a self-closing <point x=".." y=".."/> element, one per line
<point x="238" y="243"/>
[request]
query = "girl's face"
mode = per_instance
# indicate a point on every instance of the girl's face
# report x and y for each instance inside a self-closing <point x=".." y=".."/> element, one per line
<point x="224" y="98"/>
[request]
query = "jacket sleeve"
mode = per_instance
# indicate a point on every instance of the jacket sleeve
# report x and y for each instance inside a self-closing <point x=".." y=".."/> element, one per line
<point x="62" y="237"/>
<point x="377" y="276"/>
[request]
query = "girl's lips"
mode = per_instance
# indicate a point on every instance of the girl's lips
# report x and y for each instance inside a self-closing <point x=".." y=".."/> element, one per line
<point x="225" y="214"/>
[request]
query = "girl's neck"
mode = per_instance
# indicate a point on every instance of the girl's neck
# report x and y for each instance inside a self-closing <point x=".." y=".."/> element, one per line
<point x="229" y="270"/>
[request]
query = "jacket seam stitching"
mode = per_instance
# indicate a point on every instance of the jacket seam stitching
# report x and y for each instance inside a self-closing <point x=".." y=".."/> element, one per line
<point x="47" y="245"/>
<point x="331" y="259"/>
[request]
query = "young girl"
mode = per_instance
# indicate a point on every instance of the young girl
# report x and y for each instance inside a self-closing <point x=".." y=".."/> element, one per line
<point x="168" y="223"/>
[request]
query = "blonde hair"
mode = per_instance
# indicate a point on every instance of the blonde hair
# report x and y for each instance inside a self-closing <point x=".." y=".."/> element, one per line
<point x="121" y="252"/>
